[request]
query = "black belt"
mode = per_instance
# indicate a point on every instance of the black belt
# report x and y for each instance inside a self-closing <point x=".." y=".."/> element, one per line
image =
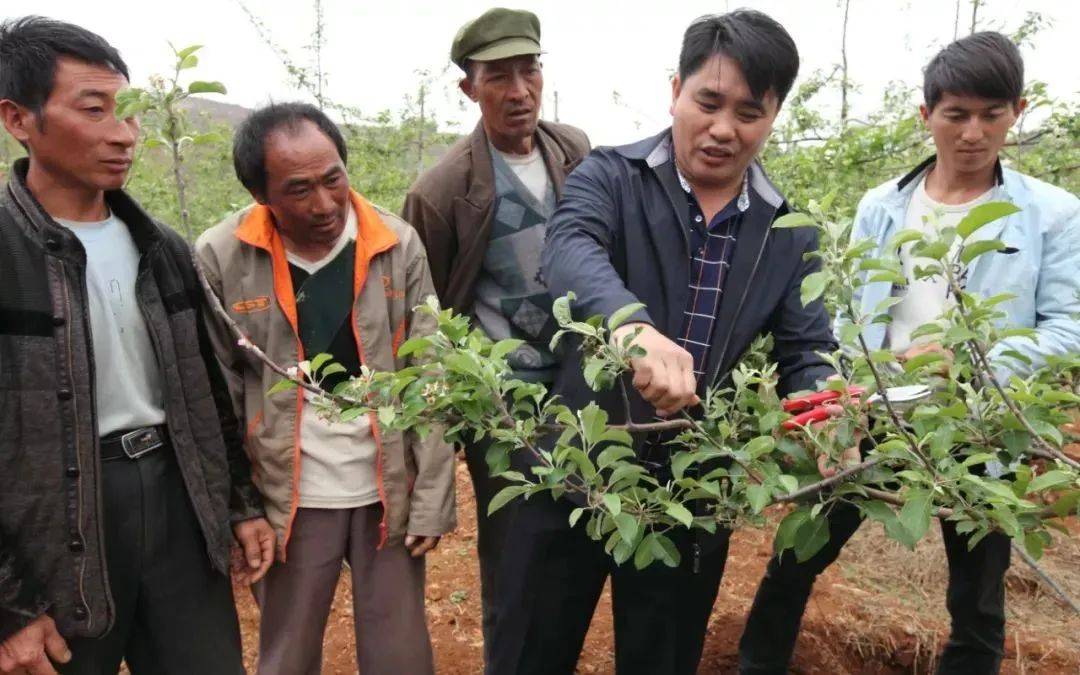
<point x="133" y="444"/>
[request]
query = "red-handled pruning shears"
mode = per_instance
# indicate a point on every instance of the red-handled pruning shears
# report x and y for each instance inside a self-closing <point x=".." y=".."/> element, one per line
<point x="814" y="407"/>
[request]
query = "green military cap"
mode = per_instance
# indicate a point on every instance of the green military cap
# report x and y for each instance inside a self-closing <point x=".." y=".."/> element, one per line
<point x="496" y="34"/>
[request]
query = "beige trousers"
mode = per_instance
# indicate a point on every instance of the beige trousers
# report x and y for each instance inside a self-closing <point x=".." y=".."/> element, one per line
<point x="387" y="588"/>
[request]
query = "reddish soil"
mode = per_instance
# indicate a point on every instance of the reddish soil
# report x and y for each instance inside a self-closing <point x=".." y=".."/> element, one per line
<point x="852" y="626"/>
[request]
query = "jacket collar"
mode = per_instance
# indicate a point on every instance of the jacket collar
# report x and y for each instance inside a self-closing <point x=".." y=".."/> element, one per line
<point x="257" y="228"/>
<point x="656" y="151"/>
<point x="145" y="232"/>
<point x="482" y="186"/>
<point x="910" y="177"/>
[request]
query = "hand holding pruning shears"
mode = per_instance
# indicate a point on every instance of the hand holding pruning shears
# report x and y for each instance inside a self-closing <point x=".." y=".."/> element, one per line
<point x="817" y="407"/>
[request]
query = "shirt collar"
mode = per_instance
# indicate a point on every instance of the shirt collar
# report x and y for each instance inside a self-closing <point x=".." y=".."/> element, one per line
<point x="743" y="201"/>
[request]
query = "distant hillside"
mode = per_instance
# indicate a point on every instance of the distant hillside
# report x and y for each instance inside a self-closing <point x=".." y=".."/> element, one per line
<point x="215" y="111"/>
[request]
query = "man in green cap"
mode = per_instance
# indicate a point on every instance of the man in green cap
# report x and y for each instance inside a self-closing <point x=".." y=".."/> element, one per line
<point x="481" y="212"/>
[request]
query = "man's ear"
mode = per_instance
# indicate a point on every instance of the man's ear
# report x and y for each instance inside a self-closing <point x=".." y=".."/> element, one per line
<point x="676" y="87"/>
<point x="924" y="113"/>
<point x="1020" y="106"/>
<point x="467" y="88"/>
<point x="17" y="120"/>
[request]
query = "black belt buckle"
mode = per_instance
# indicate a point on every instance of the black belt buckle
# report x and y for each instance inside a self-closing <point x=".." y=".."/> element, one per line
<point x="141" y="441"/>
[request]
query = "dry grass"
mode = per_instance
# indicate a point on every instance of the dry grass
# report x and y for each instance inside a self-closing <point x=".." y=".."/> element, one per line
<point x="906" y="591"/>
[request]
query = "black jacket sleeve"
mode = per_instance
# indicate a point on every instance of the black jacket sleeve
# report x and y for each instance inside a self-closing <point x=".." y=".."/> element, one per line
<point x="800" y="333"/>
<point x="579" y="243"/>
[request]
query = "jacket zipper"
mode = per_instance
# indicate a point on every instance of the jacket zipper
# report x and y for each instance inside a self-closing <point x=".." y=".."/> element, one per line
<point x="96" y="458"/>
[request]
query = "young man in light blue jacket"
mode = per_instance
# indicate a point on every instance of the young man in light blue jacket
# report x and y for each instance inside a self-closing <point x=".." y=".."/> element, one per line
<point x="973" y="96"/>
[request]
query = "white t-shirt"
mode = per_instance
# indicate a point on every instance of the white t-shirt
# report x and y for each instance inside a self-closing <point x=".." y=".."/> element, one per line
<point x="127" y="378"/>
<point x="337" y="459"/>
<point x="531" y="171"/>
<point x="924" y="300"/>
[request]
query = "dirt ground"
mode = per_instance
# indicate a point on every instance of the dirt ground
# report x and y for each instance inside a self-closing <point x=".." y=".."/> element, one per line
<point x="879" y="610"/>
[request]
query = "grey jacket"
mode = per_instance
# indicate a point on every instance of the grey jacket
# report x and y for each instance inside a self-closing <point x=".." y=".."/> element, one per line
<point x="52" y="556"/>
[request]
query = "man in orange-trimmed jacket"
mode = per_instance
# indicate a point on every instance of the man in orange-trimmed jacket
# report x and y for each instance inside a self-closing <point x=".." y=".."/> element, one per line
<point x="314" y="268"/>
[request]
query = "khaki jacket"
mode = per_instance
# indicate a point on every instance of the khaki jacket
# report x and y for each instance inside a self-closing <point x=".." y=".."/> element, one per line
<point x="450" y="205"/>
<point x="244" y="260"/>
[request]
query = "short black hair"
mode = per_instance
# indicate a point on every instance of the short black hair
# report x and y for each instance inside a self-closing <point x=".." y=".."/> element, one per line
<point x="764" y="51"/>
<point x="986" y="64"/>
<point x="29" y="48"/>
<point x="249" y="142"/>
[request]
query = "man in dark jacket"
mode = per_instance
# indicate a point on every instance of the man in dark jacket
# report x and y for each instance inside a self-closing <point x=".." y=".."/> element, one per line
<point x="481" y="212"/>
<point x="682" y="223"/>
<point x="120" y="460"/>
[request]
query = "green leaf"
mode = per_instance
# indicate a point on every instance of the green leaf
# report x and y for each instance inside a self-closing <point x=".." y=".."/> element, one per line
<point x="915" y="363"/>
<point x="613" y="503"/>
<point x="628" y="527"/>
<point x="505" y="496"/>
<point x="978" y="248"/>
<point x="1049" y="480"/>
<point x="318" y="361"/>
<point x="813" y="285"/>
<point x="679" y="513"/>
<point x="581" y="460"/>
<point x="352" y="413"/>
<point x="793" y="219"/>
<point x="681" y="462"/>
<point x="187" y="62"/>
<point x="645" y="554"/>
<point x="575" y="516"/>
<point x="1034" y="544"/>
<point x="593" y="422"/>
<point x="984" y="214"/>
<point x="411" y="345"/>
<point x="811" y="538"/>
<point x="758" y="497"/>
<point x="760" y="446"/>
<point x="594" y="369"/>
<point x="280" y="386"/>
<point x="560" y="309"/>
<point x="186" y="51"/>
<point x="665" y="549"/>
<point x="204" y="87"/>
<point x="503" y="347"/>
<point x="619" y="316"/>
<point x="332" y="369"/>
<point x="613" y="454"/>
<point x="916" y="512"/>
<point x="877" y="511"/>
<point x="789" y="483"/>
<point x="785" y="532"/>
<point x="903" y="237"/>
<point x="387" y="415"/>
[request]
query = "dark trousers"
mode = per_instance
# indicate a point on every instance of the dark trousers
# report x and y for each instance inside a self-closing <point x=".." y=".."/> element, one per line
<point x="975" y="599"/>
<point x="490" y="534"/>
<point x="174" y="612"/>
<point x="551" y="579"/>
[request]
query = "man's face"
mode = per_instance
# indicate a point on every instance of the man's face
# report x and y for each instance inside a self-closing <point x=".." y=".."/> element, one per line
<point x="76" y="138"/>
<point x="508" y="91"/>
<point x="969" y="131"/>
<point x="718" y="126"/>
<point x="307" y="188"/>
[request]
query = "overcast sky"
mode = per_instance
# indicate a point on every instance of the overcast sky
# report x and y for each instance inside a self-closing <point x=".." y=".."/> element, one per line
<point x="374" y="49"/>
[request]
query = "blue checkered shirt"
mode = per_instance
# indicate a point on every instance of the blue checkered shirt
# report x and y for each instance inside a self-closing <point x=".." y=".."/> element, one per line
<point x="711" y="250"/>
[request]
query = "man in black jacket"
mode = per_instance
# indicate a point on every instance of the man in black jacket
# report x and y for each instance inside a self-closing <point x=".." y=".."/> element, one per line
<point x="682" y="223"/>
<point x="121" y="462"/>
